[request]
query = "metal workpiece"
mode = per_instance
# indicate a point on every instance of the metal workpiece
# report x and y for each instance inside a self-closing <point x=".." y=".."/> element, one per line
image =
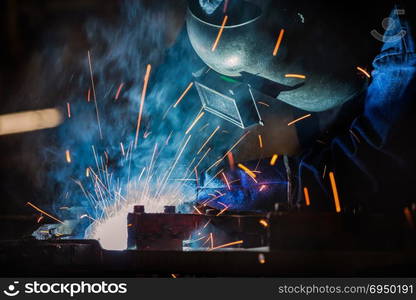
<point x="172" y="231"/>
<point x="246" y="45"/>
<point x="164" y="231"/>
<point x="301" y="243"/>
<point x="169" y="209"/>
<point x="138" y="209"/>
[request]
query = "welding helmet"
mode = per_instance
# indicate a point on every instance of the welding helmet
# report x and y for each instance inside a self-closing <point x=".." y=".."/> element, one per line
<point x="253" y="56"/>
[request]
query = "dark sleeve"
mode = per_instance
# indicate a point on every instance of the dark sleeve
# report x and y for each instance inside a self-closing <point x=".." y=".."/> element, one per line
<point x="373" y="161"/>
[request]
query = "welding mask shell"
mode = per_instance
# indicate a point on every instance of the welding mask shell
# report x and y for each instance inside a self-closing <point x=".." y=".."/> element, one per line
<point x="248" y="43"/>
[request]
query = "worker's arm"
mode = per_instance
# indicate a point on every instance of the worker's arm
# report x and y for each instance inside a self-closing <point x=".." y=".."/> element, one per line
<point x="373" y="162"/>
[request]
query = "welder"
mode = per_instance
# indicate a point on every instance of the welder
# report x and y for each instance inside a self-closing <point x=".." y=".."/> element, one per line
<point x="356" y="144"/>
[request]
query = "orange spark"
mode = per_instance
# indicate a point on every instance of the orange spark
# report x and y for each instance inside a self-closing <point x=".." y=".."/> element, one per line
<point x="219" y="33"/>
<point x="248" y="171"/>
<point x="262" y="188"/>
<point x="89" y="95"/>
<point x="235" y="145"/>
<point x="306" y="193"/>
<point x="226" y="154"/>
<point x="231" y="160"/>
<point x="409" y="217"/>
<point x="264" y="223"/>
<point x="274" y="159"/>
<point x="197" y="210"/>
<point x="219" y="193"/>
<point x="173" y="275"/>
<point x="263" y="103"/>
<point x="206" y="224"/>
<point x="222" y="211"/>
<point x="209" y="138"/>
<point x="335" y="192"/>
<point x="262" y="259"/>
<point x="279" y="41"/>
<point x="119" y="91"/>
<point x="227" y="245"/>
<point x="206" y="241"/>
<point x="146" y="134"/>
<point x="211" y="237"/>
<point x="45" y="213"/>
<point x="68" y="156"/>
<point x="299" y="119"/>
<point x="139" y="118"/>
<point x="68" y="108"/>
<point x="295" y="76"/>
<point x="198" y="117"/>
<point x="39" y="219"/>
<point x="260" y="141"/>
<point x="226" y="181"/>
<point x="87" y="172"/>
<point x="324" y="173"/>
<point x="219" y="202"/>
<point x="205" y="203"/>
<point x="183" y="94"/>
<point x="364" y="72"/>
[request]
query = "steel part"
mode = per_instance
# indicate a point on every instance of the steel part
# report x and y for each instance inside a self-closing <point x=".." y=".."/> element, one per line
<point x="139" y="209"/>
<point x="169" y="209"/>
<point x="164" y="231"/>
<point x="168" y="231"/>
